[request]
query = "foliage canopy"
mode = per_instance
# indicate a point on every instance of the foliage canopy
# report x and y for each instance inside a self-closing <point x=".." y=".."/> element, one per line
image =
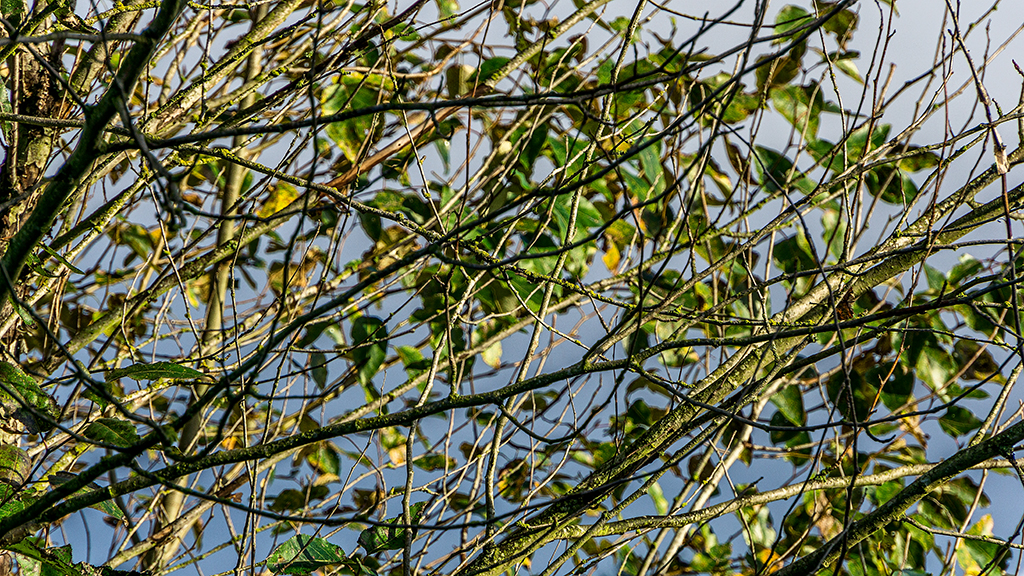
<point x="512" y="287"/>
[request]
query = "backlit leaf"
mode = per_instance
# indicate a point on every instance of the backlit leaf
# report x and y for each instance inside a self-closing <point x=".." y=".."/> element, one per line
<point x="303" y="554"/>
<point x="388" y="536"/>
<point x="154" y="371"/>
<point x="112" y="431"/>
<point x="370" y="344"/>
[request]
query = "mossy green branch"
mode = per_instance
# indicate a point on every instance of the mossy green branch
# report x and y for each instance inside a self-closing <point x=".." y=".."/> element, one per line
<point x="728" y="507"/>
<point x="52" y="512"/>
<point x="90" y="146"/>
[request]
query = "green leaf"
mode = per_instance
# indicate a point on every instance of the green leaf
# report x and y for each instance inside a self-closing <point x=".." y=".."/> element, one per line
<point x="529" y="141"/>
<point x="936" y="279"/>
<point x="303" y="554"/>
<point x="974" y="555"/>
<point x="135" y="237"/>
<point x="790" y="402"/>
<point x="288" y="500"/>
<point x="109" y="507"/>
<point x="281" y="196"/>
<point x="859" y="143"/>
<point x="898" y="388"/>
<point x="324" y="458"/>
<point x="370" y="345"/>
<point x="776" y="172"/>
<point x="489" y="67"/>
<point x="447" y="8"/>
<point x="13" y="11"/>
<point x="965" y="269"/>
<point x="838" y="158"/>
<point x="56" y="255"/>
<point x="318" y="369"/>
<point x="982" y="364"/>
<point x="389" y="537"/>
<point x="102" y="392"/>
<point x="793" y="255"/>
<point x="315" y="330"/>
<point x="891" y="185"/>
<point x="636" y="342"/>
<point x="652" y="170"/>
<point x="568" y="152"/>
<point x="495" y="298"/>
<point x="6" y="108"/>
<point x="15" y="466"/>
<point x="790" y="439"/>
<point x="801" y="106"/>
<point x="740" y="104"/>
<point x="934" y="365"/>
<point x="841" y="24"/>
<point x="634" y="183"/>
<point x="834" y="227"/>
<point x="958" y="421"/>
<point x="406" y="32"/>
<point x="758" y="524"/>
<point x="431" y="462"/>
<point x="458" y="79"/>
<point x="50" y="561"/>
<point x="348" y="94"/>
<point x="619" y="24"/>
<point x="412" y="360"/>
<point x="444" y="150"/>
<point x="155" y="371"/>
<point x="715" y="557"/>
<point x="790" y="18"/>
<point x="780" y="70"/>
<point x="854" y="394"/>
<point x="658" y="496"/>
<point x="921" y="160"/>
<point x="826" y="154"/>
<point x="20" y="310"/>
<point x="845" y="62"/>
<point x="587" y="217"/>
<point x="23" y="401"/>
<point x="884" y="492"/>
<point x="675" y="357"/>
<point x="112" y="431"/>
<point x="13" y="500"/>
<point x="359" y="568"/>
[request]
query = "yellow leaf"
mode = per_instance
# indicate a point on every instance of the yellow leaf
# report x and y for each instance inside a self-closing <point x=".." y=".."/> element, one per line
<point x="972" y="558"/>
<point x="492" y="355"/>
<point x="281" y="196"/>
<point x="397" y="455"/>
<point x="611" y="256"/>
<point x="766" y="556"/>
<point x="199" y="290"/>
